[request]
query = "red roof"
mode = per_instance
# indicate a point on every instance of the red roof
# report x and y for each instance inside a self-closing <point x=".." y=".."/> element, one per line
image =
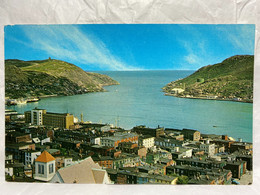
<point x="45" y="157"/>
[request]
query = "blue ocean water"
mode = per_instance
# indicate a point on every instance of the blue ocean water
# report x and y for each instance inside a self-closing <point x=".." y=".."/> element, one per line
<point x="139" y="100"/>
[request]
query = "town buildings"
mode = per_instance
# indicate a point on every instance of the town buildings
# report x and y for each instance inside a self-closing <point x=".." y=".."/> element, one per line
<point x="43" y="148"/>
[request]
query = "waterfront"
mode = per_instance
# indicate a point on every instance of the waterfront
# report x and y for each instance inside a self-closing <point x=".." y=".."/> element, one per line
<point x="139" y="100"/>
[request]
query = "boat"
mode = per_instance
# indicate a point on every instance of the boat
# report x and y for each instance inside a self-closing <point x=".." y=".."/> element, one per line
<point x="21" y="101"/>
<point x="32" y="100"/>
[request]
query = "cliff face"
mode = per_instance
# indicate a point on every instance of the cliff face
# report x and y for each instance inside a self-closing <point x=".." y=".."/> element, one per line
<point x="50" y="77"/>
<point x="231" y="79"/>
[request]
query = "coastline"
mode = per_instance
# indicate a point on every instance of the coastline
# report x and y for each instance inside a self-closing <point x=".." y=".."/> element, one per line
<point x="28" y="100"/>
<point x="205" y="98"/>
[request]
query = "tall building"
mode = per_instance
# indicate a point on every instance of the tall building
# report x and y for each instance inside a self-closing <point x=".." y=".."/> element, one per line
<point x="41" y="117"/>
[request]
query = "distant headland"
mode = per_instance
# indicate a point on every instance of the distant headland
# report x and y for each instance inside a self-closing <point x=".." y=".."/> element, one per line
<point x="44" y="78"/>
<point x="231" y="80"/>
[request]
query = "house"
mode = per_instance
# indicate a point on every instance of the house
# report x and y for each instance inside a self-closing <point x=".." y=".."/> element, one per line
<point x="129" y="177"/>
<point x="62" y="161"/>
<point x="166" y="142"/>
<point x="224" y="175"/>
<point x="17" y="150"/>
<point x="44" y="167"/>
<point x="191" y="134"/>
<point x="181" y="152"/>
<point x="207" y="163"/>
<point x="17" y="137"/>
<point x="154" y="132"/>
<point x="203" y="180"/>
<point x="240" y="146"/>
<point x="16" y="169"/>
<point x="226" y="143"/>
<point x="238" y="168"/>
<point x="142" y="152"/>
<point x="84" y="171"/>
<point x="128" y="147"/>
<point x="126" y="160"/>
<point x="113" y="141"/>
<point x="242" y="155"/>
<point x="30" y="156"/>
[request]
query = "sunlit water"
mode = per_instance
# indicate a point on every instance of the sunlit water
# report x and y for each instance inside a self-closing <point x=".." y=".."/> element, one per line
<point x="139" y="100"/>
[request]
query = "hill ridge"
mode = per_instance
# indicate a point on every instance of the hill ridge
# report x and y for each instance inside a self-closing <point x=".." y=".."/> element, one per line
<point x="232" y="79"/>
<point x="30" y="78"/>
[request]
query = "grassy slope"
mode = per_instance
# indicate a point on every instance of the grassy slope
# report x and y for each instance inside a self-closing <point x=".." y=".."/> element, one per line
<point x="59" y="68"/>
<point x="231" y="78"/>
<point x="48" y="77"/>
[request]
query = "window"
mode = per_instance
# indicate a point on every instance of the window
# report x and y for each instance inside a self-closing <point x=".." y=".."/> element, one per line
<point x="40" y="169"/>
<point x="51" y="168"/>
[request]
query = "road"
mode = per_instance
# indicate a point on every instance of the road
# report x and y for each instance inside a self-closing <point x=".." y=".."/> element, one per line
<point x="246" y="179"/>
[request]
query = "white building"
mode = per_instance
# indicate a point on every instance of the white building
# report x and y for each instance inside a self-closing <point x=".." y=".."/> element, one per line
<point x="181" y="152"/>
<point x="45" y="140"/>
<point x="37" y="116"/>
<point x="44" y="167"/>
<point x="95" y="140"/>
<point x="208" y="148"/>
<point x="67" y="162"/>
<point x="146" y="141"/>
<point x="30" y="157"/>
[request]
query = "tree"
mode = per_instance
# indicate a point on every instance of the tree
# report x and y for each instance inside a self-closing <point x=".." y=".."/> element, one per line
<point x="182" y="179"/>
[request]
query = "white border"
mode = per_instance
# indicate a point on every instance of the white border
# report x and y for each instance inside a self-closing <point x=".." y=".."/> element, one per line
<point x="130" y="11"/>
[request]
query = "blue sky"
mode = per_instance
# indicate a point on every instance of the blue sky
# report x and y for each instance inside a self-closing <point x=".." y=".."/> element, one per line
<point x="130" y="46"/>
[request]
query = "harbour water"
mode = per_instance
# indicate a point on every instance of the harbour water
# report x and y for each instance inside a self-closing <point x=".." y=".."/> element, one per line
<point x="139" y="100"/>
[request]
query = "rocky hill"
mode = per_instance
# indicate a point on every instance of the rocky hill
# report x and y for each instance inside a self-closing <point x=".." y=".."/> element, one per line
<point x="50" y="77"/>
<point x="231" y="79"/>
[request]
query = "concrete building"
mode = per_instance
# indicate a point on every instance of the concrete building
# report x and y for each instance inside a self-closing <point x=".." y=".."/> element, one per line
<point x="41" y="117"/>
<point x="208" y="148"/>
<point x="44" y="167"/>
<point x="146" y="141"/>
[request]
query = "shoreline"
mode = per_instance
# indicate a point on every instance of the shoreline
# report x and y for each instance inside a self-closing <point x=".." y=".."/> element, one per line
<point x="52" y="95"/>
<point x="204" y="98"/>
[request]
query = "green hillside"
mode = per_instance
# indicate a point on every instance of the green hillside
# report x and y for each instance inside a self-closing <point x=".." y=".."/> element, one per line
<point x="230" y="79"/>
<point x="50" y="77"/>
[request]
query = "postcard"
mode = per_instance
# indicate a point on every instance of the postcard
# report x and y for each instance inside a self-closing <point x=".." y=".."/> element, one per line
<point x="129" y="103"/>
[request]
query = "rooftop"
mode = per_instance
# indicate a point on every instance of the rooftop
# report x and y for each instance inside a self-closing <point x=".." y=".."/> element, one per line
<point x="45" y="157"/>
<point x="84" y="171"/>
